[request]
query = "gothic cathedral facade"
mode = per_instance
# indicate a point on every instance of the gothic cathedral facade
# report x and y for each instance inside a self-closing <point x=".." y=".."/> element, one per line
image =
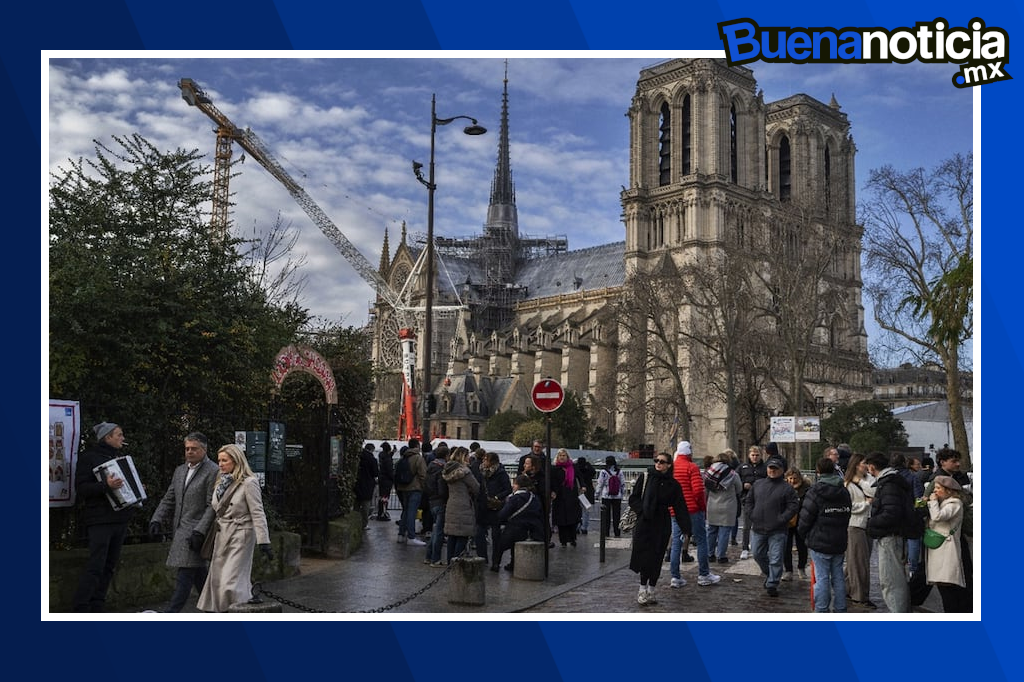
<point x="714" y="173"/>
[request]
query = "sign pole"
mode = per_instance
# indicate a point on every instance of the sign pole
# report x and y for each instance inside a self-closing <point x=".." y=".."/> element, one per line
<point x="547" y="396"/>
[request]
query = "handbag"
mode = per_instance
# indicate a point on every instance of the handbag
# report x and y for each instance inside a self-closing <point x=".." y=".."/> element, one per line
<point x="628" y="520"/>
<point x="933" y="539"/>
<point x="207" y="549"/>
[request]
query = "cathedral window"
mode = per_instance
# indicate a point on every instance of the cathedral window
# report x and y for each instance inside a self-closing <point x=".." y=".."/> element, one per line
<point x="733" y="172"/>
<point x="785" y="170"/>
<point x="665" y="146"/>
<point x="687" y="137"/>
<point x="828" y="178"/>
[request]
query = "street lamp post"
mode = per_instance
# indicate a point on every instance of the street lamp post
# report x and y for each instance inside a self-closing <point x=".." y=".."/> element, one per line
<point x="428" y="326"/>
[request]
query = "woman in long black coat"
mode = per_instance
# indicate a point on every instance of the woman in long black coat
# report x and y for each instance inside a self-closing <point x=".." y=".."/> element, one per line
<point x="651" y="500"/>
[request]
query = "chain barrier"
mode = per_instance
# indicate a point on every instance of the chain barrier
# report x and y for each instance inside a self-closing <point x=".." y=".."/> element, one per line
<point x="258" y="590"/>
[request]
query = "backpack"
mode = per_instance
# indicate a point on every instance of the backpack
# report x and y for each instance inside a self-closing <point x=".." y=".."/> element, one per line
<point x="430" y="483"/>
<point x="714" y="475"/>
<point x="403" y="471"/>
<point x="614" y="483"/>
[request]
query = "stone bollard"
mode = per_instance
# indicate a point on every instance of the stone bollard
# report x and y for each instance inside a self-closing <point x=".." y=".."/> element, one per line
<point x="466" y="581"/>
<point x="255" y="607"/>
<point x="529" y="564"/>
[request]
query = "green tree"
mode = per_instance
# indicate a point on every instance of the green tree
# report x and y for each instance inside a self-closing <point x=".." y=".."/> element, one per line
<point x="868" y="420"/>
<point x="569" y="420"/>
<point x="151" y="323"/>
<point x="536" y="429"/>
<point x="503" y="425"/>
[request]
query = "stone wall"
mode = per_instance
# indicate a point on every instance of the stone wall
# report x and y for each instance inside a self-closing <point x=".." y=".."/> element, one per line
<point x="143" y="578"/>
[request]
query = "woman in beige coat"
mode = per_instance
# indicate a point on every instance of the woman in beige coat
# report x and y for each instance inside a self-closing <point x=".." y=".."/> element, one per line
<point x="460" y="487"/>
<point x="943" y="565"/>
<point x="241" y="526"/>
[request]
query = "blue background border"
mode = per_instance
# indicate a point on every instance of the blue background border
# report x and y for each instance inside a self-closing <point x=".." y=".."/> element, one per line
<point x="544" y="650"/>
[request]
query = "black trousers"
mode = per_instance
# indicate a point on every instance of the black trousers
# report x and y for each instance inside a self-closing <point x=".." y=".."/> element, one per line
<point x="610" y="521"/>
<point x="188" y="577"/>
<point x="105" y="541"/>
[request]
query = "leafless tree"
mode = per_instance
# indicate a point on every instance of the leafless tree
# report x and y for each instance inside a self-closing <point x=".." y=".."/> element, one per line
<point x="791" y="263"/>
<point x="275" y="265"/>
<point x="919" y="261"/>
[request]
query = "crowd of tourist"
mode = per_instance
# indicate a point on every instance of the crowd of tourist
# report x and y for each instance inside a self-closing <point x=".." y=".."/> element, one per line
<point x="914" y="514"/>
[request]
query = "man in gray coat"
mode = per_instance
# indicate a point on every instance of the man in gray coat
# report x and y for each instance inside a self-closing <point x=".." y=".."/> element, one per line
<point x="185" y="512"/>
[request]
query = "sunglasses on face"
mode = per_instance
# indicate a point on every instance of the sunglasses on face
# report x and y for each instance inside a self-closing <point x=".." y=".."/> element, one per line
<point x="661" y="461"/>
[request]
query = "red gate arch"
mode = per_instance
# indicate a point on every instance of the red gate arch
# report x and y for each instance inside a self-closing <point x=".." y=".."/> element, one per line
<point x="293" y="358"/>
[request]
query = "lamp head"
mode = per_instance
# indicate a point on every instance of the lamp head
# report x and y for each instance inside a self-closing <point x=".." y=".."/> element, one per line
<point x="474" y="129"/>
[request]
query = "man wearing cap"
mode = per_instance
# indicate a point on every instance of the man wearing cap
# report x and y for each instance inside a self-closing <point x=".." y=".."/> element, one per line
<point x="687" y="474"/>
<point x="185" y="512"/>
<point x="770" y="504"/>
<point x="106" y="526"/>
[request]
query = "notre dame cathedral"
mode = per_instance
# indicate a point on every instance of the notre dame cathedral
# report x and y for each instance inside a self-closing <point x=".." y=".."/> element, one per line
<point x="710" y="161"/>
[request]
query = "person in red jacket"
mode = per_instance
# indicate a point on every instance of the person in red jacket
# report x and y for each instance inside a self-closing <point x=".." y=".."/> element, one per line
<point x="688" y="475"/>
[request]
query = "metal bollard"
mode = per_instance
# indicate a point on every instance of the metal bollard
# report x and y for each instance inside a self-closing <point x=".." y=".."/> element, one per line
<point x="604" y="525"/>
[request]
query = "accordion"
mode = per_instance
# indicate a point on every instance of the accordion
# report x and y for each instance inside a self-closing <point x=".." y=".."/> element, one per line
<point x="132" y="492"/>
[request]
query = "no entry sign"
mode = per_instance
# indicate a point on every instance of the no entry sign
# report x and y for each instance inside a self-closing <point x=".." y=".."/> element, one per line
<point x="547" y="395"/>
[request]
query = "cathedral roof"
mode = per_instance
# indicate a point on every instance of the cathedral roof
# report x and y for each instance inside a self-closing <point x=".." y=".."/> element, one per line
<point x="597" y="267"/>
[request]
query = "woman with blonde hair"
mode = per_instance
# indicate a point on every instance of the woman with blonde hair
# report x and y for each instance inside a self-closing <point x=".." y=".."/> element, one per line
<point x="459" y="487"/>
<point x="858" y="545"/>
<point x="241" y="526"/>
<point x="565" y="498"/>
<point x="943" y="565"/>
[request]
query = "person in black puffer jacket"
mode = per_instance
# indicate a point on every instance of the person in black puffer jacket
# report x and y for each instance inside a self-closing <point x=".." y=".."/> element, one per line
<point x="824" y="519"/>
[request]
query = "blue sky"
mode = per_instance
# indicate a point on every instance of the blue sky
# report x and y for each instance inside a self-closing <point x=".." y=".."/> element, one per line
<point x="347" y="127"/>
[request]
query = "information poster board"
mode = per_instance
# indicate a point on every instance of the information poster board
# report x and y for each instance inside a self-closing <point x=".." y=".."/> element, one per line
<point x="64" y="422"/>
<point x="254" y="444"/>
<point x="275" y="453"/>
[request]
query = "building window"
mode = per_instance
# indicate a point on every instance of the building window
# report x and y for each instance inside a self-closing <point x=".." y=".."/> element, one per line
<point x="687" y="137"/>
<point x="828" y="178"/>
<point x="785" y="170"/>
<point x="474" y="431"/>
<point x="733" y="172"/>
<point x="665" y="146"/>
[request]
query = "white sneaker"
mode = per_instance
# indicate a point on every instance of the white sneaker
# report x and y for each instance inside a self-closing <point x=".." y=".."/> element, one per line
<point x="745" y="554"/>
<point x="401" y="539"/>
<point x="417" y="542"/>
<point x="788" y="575"/>
<point x="650" y="595"/>
<point x="709" y="579"/>
<point x="801" y="573"/>
<point x="641" y="596"/>
<point x="678" y="582"/>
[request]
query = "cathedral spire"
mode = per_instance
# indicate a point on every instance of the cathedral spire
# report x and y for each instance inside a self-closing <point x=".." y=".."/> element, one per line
<point x="385" y="253"/>
<point x="503" y="195"/>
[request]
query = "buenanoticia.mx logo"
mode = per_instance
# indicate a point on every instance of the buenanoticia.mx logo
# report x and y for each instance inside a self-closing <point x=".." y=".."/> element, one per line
<point x="980" y="51"/>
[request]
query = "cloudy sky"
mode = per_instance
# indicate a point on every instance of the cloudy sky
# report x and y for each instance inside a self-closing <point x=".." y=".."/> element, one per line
<point x="347" y="127"/>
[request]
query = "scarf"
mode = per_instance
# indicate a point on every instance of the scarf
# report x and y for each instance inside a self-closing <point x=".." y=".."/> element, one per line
<point x="650" y="494"/>
<point x="570" y="472"/>
<point x="225" y="482"/>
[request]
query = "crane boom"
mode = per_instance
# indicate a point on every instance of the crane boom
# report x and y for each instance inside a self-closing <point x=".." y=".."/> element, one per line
<point x="254" y="146"/>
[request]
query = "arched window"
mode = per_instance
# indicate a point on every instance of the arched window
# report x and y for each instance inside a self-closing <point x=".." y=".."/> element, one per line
<point x="687" y="137"/>
<point x="665" y="146"/>
<point x="828" y="178"/>
<point x="785" y="170"/>
<point x="733" y="172"/>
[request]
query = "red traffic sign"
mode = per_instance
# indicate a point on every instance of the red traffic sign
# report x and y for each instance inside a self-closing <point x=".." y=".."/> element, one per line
<point x="547" y="395"/>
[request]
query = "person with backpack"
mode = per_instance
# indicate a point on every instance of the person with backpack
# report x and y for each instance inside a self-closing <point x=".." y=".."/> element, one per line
<point x="892" y="509"/>
<point x="724" y="489"/>
<point x="610" y="483"/>
<point x="436" y="501"/>
<point x="410" y="472"/>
